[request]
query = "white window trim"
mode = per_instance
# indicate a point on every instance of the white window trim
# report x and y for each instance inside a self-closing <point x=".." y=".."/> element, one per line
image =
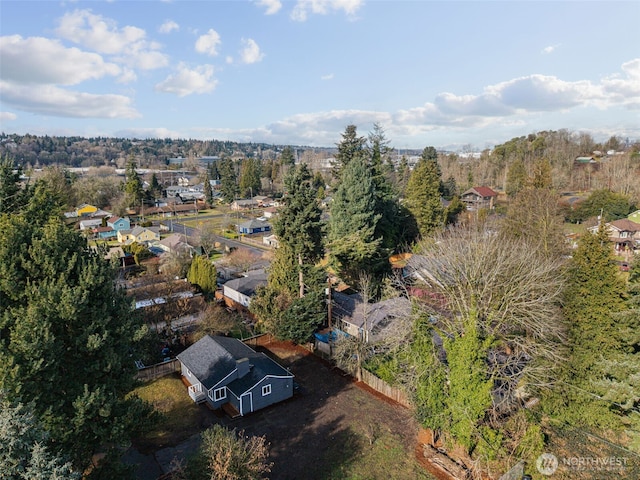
<point x="266" y="390"/>
<point x="219" y="394"/>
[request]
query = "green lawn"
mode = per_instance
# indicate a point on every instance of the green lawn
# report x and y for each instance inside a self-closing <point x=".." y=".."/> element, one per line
<point x="378" y="457"/>
<point x="180" y="416"/>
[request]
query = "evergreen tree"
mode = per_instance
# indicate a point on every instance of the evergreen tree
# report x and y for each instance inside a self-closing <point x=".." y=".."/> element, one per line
<point x="250" y="177"/>
<point x="12" y="196"/>
<point x="24" y="454"/>
<point x="542" y="174"/>
<point x="450" y="188"/>
<point x="299" y="224"/>
<point x="422" y="196"/>
<point x="287" y="159"/>
<point x="155" y="189"/>
<point x="202" y="273"/>
<point x="286" y="308"/>
<point x="402" y="176"/>
<point x="228" y="185"/>
<point x="133" y="185"/>
<point x="516" y="178"/>
<point x="208" y="191"/>
<point x="353" y="246"/>
<point x="594" y="300"/>
<point x="352" y="146"/>
<point x="64" y="322"/>
<point x="394" y="223"/>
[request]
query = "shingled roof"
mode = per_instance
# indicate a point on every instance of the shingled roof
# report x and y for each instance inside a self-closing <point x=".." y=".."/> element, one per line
<point x="211" y="359"/>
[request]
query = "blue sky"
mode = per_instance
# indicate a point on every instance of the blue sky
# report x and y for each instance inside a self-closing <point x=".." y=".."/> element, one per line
<point x="449" y="74"/>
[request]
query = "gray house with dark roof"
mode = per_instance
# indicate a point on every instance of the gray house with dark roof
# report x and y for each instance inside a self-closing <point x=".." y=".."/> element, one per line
<point x="223" y="370"/>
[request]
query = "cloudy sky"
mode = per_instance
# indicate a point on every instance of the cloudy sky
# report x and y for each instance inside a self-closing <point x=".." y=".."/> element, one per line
<point x="448" y="74"/>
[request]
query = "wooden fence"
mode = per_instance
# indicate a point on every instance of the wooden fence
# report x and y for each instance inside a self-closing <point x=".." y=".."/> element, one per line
<point x="385" y="389"/>
<point x="158" y="370"/>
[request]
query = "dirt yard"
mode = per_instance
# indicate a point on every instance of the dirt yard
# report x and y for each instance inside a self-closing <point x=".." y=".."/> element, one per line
<point x="331" y="424"/>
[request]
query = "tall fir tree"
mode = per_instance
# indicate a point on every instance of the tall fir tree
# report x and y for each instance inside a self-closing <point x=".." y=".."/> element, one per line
<point x="12" y="196"/>
<point x="353" y="247"/>
<point x="291" y="306"/>
<point x="228" y="180"/>
<point x="594" y="297"/>
<point x="133" y="185"/>
<point x="64" y="322"/>
<point x="350" y="147"/>
<point x="250" y="170"/>
<point x="422" y="195"/>
<point x="208" y="190"/>
<point x="299" y="224"/>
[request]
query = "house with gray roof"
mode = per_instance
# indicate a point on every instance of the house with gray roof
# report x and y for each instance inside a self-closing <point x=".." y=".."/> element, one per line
<point x="224" y="372"/>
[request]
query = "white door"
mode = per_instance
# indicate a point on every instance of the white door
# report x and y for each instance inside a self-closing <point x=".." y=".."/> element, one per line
<point x="246" y="403"/>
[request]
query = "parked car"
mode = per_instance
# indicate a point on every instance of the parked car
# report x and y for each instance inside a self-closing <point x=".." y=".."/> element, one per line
<point x="624" y="267"/>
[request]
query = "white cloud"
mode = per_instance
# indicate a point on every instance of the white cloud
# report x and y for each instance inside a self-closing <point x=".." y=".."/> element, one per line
<point x="187" y="81"/>
<point x="168" y="26"/>
<point x="98" y="33"/>
<point x="7" y="116"/>
<point x="303" y="8"/>
<point x="208" y="43"/>
<point x="250" y="52"/>
<point x="59" y="102"/>
<point x="327" y="77"/>
<point x="549" y="49"/>
<point x="103" y="36"/>
<point x="38" y="60"/>
<point x="272" y="6"/>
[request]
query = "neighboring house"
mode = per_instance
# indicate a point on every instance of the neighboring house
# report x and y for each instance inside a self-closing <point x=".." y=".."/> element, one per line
<point x="85" y="210"/>
<point x="479" y="197"/>
<point x="119" y="223"/>
<point x="262" y="200"/>
<point x="270" y="212"/>
<point x="224" y="372"/>
<point x="173" y="209"/>
<point x="271" y="241"/>
<point x="104" y="233"/>
<point x="243" y="204"/>
<point x="174" y="243"/>
<point x="624" y="234"/>
<point x="237" y="293"/>
<point x="253" y="226"/>
<point x="90" y="224"/>
<point x="143" y="235"/>
<point x="367" y="321"/>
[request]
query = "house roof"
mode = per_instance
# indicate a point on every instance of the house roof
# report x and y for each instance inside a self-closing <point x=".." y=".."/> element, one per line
<point x="249" y="284"/>
<point x="211" y="359"/>
<point x="114" y="219"/>
<point x="482" y="191"/>
<point x="625" y="225"/>
<point x="103" y="229"/>
<point x="254" y="223"/>
<point x="375" y="314"/>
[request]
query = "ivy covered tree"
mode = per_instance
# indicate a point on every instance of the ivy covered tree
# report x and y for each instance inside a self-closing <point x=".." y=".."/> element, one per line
<point x="422" y="195"/>
<point x="64" y="322"/>
<point x="353" y="247"/>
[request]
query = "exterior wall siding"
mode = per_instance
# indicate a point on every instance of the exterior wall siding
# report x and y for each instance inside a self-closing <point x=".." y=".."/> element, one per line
<point x="281" y="389"/>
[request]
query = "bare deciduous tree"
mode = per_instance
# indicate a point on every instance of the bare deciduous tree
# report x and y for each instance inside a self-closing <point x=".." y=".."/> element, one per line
<point x="515" y="292"/>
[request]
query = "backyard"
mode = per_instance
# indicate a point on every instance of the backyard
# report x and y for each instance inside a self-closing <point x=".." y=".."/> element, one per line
<point x="332" y="428"/>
